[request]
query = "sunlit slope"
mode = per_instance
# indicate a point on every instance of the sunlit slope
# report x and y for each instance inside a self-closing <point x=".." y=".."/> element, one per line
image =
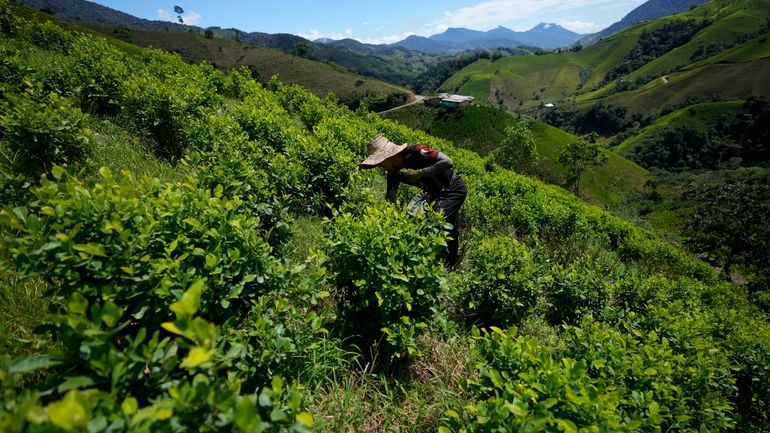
<point x="319" y="77"/>
<point x="698" y="117"/>
<point x="725" y="59"/>
<point x="481" y="129"/>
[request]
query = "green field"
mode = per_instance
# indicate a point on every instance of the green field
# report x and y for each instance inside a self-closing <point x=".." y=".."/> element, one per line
<point x="481" y="129"/>
<point x="183" y="249"/>
<point x="698" y="117"/>
<point x="572" y="79"/>
<point x="320" y="77"/>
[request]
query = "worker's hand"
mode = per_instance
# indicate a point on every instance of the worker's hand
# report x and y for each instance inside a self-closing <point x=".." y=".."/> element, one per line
<point x="409" y="175"/>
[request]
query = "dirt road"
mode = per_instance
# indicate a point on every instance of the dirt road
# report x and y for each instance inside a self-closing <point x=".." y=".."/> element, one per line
<point x="417" y="99"/>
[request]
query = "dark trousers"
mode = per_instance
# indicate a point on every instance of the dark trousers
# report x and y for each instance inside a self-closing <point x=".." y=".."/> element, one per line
<point x="449" y="201"/>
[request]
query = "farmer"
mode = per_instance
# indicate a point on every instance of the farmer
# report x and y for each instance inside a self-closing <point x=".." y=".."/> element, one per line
<point x="426" y="168"/>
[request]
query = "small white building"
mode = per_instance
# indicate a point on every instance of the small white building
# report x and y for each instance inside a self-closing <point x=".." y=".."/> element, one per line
<point x="452" y="101"/>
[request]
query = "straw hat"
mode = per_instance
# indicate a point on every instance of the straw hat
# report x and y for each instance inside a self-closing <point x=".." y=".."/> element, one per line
<point x="380" y="149"/>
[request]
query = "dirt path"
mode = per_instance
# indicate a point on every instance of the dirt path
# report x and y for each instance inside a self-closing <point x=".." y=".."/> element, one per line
<point x="417" y="100"/>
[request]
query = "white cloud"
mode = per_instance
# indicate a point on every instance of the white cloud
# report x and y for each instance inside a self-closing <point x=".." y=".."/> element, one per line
<point x="314" y="34"/>
<point x="491" y="13"/>
<point x="192" y="18"/>
<point x="581" y="26"/>
<point x="389" y="39"/>
<point x="164" y="15"/>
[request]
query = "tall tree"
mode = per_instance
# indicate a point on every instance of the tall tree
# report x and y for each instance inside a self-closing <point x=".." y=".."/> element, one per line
<point x="517" y="151"/>
<point x="179" y="11"/>
<point x="578" y="156"/>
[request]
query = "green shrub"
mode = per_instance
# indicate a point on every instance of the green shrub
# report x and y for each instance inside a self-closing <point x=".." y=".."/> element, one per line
<point x="283" y="336"/>
<point x="49" y="36"/>
<point x="9" y="24"/>
<point x="163" y="99"/>
<point x="148" y="290"/>
<point x="267" y="182"/>
<point x="690" y="385"/>
<point x="723" y="330"/>
<point x="520" y="386"/>
<point x="264" y="120"/>
<point x="574" y="292"/>
<point x="98" y="72"/>
<point x="655" y="255"/>
<point x="500" y="282"/>
<point x="388" y="273"/>
<point x="119" y="380"/>
<point x="40" y="130"/>
<point x="101" y="243"/>
<point x="606" y="381"/>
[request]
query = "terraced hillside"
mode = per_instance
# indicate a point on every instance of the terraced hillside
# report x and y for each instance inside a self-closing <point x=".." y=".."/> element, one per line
<point x="699" y="117"/>
<point x="185" y="249"/>
<point x="320" y="77"/>
<point x="481" y="129"/>
<point x="724" y="55"/>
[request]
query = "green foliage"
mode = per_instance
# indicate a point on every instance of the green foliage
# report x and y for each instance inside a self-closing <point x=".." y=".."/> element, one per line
<point x="148" y="244"/>
<point x="380" y="102"/>
<point x="602" y="118"/>
<point x="727" y="221"/>
<point x="281" y="338"/>
<point x="262" y="118"/>
<point x="655" y="43"/>
<point x="607" y="379"/>
<point x="137" y="290"/>
<point x="40" y="130"/>
<point x="264" y="181"/>
<point x="49" y="36"/>
<point x="574" y="292"/>
<point x="735" y="139"/>
<point x="740" y="336"/>
<point x="517" y="151"/>
<point x="98" y="72"/>
<point x="500" y="283"/>
<point x="580" y="155"/>
<point x="652" y="371"/>
<point x="192" y="394"/>
<point x="387" y="272"/>
<point x="9" y="24"/>
<point x="166" y="96"/>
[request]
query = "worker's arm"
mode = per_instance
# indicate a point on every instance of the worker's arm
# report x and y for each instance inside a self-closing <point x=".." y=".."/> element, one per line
<point x="442" y="164"/>
<point x="393" y="182"/>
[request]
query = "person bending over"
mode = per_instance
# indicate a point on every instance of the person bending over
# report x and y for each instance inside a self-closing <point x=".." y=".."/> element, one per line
<point x="428" y="169"/>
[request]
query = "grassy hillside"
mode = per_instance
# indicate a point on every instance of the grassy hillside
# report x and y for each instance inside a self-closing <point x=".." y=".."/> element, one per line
<point x="725" y="59"/>
<point x="184" y="249"/>
<point x="481" y="129"/>
<point x="322" y="78"/>
<point x="699" y="117"/>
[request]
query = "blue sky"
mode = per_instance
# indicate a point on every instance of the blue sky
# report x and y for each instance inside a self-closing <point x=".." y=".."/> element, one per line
<point x="382" y="21"/>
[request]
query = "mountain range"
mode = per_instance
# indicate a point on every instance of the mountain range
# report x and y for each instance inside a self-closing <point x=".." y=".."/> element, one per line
<point x="543" y="35"/>
<point x="398" y="63"/>
<point x="647" y="11"/>
<point x="452" y="40"/>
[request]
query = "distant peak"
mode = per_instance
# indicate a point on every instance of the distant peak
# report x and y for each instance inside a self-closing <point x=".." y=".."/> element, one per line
<point x="546" y="26"/>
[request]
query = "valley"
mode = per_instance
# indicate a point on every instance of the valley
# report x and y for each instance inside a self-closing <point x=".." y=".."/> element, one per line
<point x="188" y="241"/>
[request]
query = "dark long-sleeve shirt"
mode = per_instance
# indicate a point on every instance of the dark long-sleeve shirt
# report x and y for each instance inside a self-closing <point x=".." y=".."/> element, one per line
<point x="435" y="171"/>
